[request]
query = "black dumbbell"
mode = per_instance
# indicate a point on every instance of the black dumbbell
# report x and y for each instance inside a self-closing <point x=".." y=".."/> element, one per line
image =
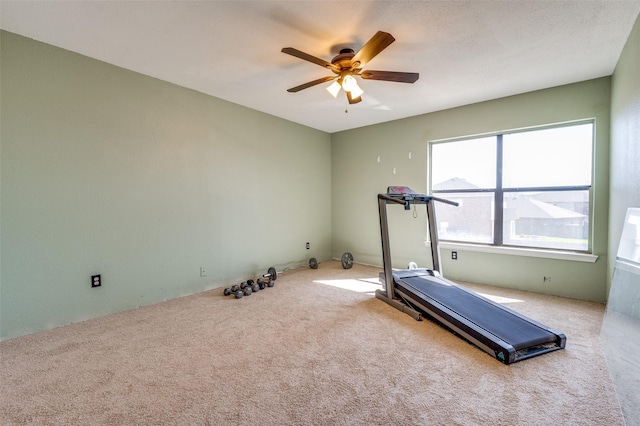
<point x="247" y="291"/>
<point x="231" y="290"/>
<point x="238" y="294"/>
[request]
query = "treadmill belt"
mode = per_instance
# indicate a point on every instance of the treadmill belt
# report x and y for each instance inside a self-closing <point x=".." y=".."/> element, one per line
<point x="496" y="320"/>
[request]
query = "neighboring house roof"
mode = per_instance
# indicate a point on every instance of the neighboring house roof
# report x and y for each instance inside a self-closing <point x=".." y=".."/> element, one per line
<point x="455" y="183"/>
<point x="534" y="209"/>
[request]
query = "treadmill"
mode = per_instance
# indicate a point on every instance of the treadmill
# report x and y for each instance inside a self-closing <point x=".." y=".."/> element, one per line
<point x="501" y="332"/>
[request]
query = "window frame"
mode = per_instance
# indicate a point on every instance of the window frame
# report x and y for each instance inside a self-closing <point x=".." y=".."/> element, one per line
<point x="499" y="192"/>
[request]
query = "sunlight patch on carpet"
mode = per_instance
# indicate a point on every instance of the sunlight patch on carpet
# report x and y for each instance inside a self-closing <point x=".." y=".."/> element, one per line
<point x="500" y="299"/>
<point x="360" y="285"/>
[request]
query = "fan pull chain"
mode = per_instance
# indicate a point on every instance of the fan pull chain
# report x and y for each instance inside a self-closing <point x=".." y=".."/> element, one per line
<point x="346" y="107"/>
<point x="415" y="212"/>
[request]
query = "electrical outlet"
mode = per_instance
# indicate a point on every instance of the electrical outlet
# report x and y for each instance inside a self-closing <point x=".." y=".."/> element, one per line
<point x="203" y="272"/>
<point x="308" y="246"/>
<point x="454" y="255"/>
<point x="546" y="279"/>
<point x="96" y="281"/>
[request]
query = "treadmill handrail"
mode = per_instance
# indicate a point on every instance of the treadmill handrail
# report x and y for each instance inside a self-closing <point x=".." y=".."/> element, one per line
<point x="393" y="200"/>
<point x="416" y="198"/>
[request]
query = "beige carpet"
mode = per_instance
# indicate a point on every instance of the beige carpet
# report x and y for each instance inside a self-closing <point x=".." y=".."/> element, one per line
<point x="317" y="349"/>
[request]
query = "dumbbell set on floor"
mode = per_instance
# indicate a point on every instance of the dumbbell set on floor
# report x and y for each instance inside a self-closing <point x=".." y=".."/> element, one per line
<point x="346" y="260"/>
<point x="249" y="287"/>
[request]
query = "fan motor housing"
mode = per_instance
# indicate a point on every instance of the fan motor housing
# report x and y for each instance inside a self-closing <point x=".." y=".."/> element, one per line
<point x="343" y="60"/>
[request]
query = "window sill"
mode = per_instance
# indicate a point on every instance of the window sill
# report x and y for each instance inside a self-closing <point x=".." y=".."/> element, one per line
<point x="517" y="251"/>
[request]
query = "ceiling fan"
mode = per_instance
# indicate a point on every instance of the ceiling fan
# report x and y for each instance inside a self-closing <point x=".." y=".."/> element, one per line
<point x="347" y="65"/>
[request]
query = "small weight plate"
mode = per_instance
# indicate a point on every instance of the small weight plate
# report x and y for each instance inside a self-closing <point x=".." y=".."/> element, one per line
<point x="313" y="263"/>
<point x="273" y="274"/>
<point x="347" y="260"/>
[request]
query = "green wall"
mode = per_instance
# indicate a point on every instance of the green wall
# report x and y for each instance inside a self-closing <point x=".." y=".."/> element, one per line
<point x="106" y="171"/>
<point x="357" y="177"/>
<point x="620" y="325"/>
<point x="625" y="140"/>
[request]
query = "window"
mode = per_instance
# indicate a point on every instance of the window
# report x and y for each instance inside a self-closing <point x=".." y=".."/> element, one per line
<point x="521" y="189"/>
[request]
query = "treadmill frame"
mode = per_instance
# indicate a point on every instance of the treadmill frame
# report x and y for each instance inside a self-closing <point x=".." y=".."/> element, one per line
<point x="398" y="297"/>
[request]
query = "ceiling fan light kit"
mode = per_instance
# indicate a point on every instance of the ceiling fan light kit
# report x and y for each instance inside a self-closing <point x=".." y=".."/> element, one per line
<point x="334" y="89"/>
<point x="349" y="84"/>
<point x="347" y="65"/>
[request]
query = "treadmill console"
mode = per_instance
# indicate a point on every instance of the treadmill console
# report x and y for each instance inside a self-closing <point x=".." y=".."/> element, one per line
<point x="400" y="190"/>
<point x="406" y="194"/>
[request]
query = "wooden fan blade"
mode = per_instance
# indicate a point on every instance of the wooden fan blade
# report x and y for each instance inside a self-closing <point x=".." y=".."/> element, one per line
<point x="311" y="83"/>
<point x="305" y="56"/>
<point x="398" y="77"/>
<point x="377" y="44"/>
<point x="353" y="100"/>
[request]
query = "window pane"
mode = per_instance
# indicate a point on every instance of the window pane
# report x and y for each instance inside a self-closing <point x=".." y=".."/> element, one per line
<point x="551" y="157"/>
<point x="467" y="164"/>
<point x="555" y="220"/>
<point x="471" y="221"/>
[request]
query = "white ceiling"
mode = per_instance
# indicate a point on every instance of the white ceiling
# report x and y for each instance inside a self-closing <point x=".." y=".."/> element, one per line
<point x="465" y="51"/>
